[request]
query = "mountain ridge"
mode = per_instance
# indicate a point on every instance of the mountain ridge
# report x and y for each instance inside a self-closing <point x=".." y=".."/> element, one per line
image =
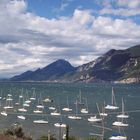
<point x="113" y="66"/>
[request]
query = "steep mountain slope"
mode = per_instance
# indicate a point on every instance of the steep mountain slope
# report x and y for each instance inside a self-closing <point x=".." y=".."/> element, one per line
<point x="112" y="66"/>
<point x="50" y="72"/>
<point x="115" y="65"/>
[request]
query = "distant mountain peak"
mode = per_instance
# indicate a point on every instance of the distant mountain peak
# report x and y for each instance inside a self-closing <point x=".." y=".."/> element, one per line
<point x="52" y="71"/>
<point x="115" y="65"/>
<point x="110" y="52"/>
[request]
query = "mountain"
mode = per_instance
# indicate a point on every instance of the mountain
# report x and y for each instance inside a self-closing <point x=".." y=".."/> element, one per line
<point x="113" y="66"/>
<point x="51" y="72"/>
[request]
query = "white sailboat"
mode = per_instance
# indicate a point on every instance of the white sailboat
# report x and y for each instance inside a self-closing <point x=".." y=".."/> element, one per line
<point x="103" y="113"/>
<point x="38" y="111"/>
<point x="121" y="118"/>
<point x="26" y="105"/>
<point x="118" y="137"/>
<point x="40" y="121"/>
<point x="39" y="107"/>
<point x="1" y="94"/>
<point x="40" y="103"/>
<point x="51" y="108"/>
<point x="100" y="135"/>
<point x="27" y="100"/>
<point x="33" y="98"/>
<point x="21" y="95"/>
<point x="55" y="113"/>
<point x="3" y="113"/>
<point x="113" y="103"/>
<point x="75" y="117"/>
<point x="67" y="109"/>
<point x="21" y="117"/>
<point x="85" y="110"/>
<point x="123" y="115"/>
<point x="9" y="104"/>
<point x="47" y="100"/>
<point x="120" y="124"/>
<point x="94" y="119"/>
<point x="60" y="125"/>
<point x="79" y="101"/>
<point x="22" y="110"/>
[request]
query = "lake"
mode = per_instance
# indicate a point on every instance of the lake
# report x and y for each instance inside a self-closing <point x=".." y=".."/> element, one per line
<point x="93" y="93"/>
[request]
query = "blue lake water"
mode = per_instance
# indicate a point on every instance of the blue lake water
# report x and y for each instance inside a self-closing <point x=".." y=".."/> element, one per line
<point x="94" y="93"/>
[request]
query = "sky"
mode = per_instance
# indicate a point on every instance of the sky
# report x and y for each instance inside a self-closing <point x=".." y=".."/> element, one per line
<point x="34" y="33"/>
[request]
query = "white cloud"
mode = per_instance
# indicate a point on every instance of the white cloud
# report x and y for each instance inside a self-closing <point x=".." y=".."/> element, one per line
<point x="129" y="3"/>
<point x="28" y="41"/>
<point x="120" y="12"/>
<point x="124" y="8"/>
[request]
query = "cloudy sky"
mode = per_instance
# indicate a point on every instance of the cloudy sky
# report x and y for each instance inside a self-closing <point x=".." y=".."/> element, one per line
<point x="34" y="33"/>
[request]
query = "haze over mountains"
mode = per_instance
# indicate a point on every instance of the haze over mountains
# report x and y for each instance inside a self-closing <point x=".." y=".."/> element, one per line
<point x="113" y="66"/>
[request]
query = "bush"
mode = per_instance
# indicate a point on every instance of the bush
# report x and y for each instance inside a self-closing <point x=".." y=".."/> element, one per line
<point x="17" y="131"/>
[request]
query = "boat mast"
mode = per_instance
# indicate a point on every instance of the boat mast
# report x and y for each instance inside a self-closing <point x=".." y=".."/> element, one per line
<point x="102" y="135"/>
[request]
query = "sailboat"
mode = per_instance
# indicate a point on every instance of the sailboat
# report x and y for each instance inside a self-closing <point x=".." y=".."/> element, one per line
<point x="103" y="113"/>
<point x="33" y="98"/>
<point x="40" y="103"/>
<point x="22" y="109"/>
<point x="27" y="100"/>
<point x="75" y="117"/>
<point x="79" y="102"/>
<point x="100" y="135"/>
<point x="39" y="107"/>
<point x="41" y="121"/>
<point x="47" y="100"/>
<point x="52" y="108"/>
<point x="1" y="94"/>
<point x="67" y="109"/>
<point x="19" y="98"/>
<point x="120" y="123"/>
<point x="18" y="103"/>
<point x="9" y="104"/>
<point x="62" y="125"/>
<point x="4" y="113"/>
<point x="21" y="95"/>
<point x="21" y="117"/>
<point x="94" y="118"/>
<point x="113" y="103"/>
<point x="123" y="115"/>
<point x="85" y="110"/>
<point x="118" y="137"/>
<point x="55" y="113"/>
